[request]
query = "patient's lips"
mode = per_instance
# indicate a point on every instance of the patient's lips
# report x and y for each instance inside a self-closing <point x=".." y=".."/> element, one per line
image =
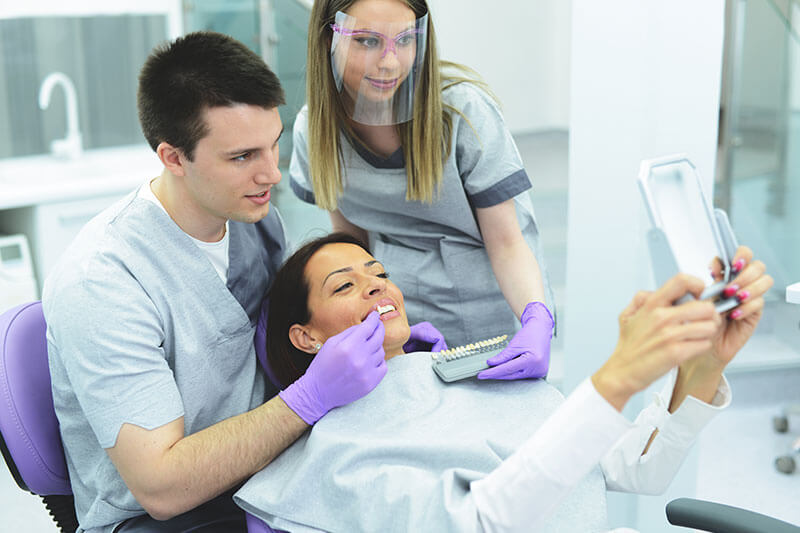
<point x="386" y="308"/>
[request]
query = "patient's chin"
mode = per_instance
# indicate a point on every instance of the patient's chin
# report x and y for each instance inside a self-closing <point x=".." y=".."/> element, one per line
<point x="394" y="346"/>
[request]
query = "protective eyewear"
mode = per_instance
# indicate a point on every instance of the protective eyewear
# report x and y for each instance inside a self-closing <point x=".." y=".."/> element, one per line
<point x="373" y="42"/>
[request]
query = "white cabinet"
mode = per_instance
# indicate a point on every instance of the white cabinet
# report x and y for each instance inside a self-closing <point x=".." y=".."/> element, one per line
<point x="51" y="227"/>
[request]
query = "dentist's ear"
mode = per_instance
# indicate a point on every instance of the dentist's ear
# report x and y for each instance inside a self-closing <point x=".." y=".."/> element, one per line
<point x="302" y="339"/>
<point x="172" y="158"/>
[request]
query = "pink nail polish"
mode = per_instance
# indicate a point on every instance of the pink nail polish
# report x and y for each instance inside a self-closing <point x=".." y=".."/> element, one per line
<point x="742" y="295"/>
<point x="730" y="290"/>
<point x="736" y="314"/>
<point x="738" y="265"/>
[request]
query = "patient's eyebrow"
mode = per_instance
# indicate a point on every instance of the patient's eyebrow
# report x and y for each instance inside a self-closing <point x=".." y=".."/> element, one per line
<point x="345" y="269"/>
<point x="348" y="269"/>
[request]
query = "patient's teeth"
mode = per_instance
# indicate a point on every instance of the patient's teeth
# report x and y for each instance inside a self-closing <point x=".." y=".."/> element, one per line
<point x="385" y="308"/>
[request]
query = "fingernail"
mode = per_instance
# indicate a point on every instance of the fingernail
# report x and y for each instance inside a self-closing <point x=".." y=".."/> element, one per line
<point x="730" y="290"/>
<point x="736" y="314"/>
<point x="742" y="295"/>
<point x="738" y="265"/>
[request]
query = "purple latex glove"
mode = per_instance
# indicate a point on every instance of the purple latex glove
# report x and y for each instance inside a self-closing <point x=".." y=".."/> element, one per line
<point x="528" y="353"/>
<point x="424" y="337"/>
<point x="347" y="367"/>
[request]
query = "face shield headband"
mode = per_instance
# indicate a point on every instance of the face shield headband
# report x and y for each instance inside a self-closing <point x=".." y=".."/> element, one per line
<point x="376" y="65"/>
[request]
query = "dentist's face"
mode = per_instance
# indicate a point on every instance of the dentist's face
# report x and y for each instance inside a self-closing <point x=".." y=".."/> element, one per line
<point x="236" y="164"/>
<point x="345" y="284"/>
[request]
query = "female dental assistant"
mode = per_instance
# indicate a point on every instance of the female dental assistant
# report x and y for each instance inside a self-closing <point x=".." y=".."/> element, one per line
<point x="421" y="164"/>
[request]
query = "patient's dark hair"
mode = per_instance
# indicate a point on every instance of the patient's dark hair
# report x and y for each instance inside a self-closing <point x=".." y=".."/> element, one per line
<point x="288" y="304"/>
<point x="200" y="70"/>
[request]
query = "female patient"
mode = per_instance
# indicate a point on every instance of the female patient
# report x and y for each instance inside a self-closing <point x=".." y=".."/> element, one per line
<point x="417" y="454"/>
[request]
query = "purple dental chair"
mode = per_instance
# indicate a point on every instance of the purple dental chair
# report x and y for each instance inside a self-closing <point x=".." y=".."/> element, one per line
<point x="29" y="437"/>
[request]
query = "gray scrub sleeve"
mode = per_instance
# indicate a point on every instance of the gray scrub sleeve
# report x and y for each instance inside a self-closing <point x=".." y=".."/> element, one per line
<point x="116" y="366"/>
<point x="487" y="158"/>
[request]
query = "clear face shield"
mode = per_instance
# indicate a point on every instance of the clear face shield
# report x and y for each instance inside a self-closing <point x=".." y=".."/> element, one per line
<point x="376" y="66"/>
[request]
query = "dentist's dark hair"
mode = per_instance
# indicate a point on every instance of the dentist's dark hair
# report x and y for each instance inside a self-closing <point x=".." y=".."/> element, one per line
<point x="200" y="70"/>
<point x="288" y="305"/>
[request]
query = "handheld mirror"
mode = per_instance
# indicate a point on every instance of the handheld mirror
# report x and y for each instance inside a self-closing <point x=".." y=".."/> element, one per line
<point x="687" y="235"/>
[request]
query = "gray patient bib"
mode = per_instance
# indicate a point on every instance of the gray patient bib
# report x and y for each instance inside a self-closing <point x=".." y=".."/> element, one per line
<point x="402" y="458"/>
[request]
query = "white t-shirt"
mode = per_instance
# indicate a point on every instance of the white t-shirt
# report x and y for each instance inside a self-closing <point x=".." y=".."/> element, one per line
<point x="217" y="252"/>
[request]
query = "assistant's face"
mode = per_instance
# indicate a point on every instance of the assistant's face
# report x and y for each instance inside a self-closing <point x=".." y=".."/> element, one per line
<point x="236" y="164"/>
<point x="380" y="53"/>
<point x="345" y="284"/>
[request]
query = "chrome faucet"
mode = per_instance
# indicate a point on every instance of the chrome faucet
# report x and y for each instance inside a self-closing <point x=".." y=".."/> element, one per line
<point x="70" y="146"/>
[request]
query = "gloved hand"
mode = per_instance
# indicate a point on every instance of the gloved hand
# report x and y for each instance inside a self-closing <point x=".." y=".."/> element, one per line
<point x="424" y="337"/>
<point x="528" y="353"/>
<point x="347" y="367"/>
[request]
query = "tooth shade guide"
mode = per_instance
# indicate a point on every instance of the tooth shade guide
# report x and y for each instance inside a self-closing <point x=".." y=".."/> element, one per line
<point x="470" y="349"/>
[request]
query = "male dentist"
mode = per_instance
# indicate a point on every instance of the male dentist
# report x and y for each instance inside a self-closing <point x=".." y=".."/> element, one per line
<point x="151" y="312"/>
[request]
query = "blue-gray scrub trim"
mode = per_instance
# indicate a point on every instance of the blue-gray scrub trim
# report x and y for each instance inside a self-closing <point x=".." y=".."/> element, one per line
<point x="302" y="193"/>
<point x="396" y="160"/>
<point x="503" y="190"/>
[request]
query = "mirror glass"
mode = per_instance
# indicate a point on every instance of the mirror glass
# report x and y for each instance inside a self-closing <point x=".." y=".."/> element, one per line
<point x="680" y="209"/>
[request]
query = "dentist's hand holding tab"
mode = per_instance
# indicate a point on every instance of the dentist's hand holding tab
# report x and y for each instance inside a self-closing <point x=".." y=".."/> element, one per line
<point x="348" y="366"/>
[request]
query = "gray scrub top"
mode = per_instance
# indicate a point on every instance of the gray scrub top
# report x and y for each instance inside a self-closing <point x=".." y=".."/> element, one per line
<point x="142" y="330"/>
<point x="434" y="252"/>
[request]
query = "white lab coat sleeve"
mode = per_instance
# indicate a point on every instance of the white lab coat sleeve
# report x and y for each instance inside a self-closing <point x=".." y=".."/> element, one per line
<point x="627" y="470"/>
<point x="530" y="484"/>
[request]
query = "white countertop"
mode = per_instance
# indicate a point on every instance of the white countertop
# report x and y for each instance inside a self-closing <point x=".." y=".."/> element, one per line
<point x="34" y="180"/>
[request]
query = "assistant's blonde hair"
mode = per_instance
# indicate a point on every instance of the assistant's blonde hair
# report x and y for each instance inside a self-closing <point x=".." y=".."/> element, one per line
<point x="425" y="138"/>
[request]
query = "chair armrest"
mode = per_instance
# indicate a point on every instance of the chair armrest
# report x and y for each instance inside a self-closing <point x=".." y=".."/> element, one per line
<point x="719" y="518"/>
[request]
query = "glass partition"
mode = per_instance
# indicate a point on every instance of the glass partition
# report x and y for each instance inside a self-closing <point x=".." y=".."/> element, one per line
<point x="274" y="29"/>
<point x="758" y="180"/>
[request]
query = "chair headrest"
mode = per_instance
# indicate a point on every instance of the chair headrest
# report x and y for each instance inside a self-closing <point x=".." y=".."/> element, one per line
<point x="261" y="343"/>
<point x="28" y="423"/>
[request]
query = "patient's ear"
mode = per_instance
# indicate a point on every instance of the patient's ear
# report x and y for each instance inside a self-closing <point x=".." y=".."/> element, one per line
<point x="302" y="339"/>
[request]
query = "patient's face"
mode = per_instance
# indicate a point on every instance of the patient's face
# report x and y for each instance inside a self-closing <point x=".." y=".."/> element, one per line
<point x="345" y="284"/>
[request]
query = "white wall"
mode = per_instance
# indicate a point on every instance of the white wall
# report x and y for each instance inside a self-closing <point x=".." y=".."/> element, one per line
<point x="645" y="82"/>
<point x="521" y="50"/>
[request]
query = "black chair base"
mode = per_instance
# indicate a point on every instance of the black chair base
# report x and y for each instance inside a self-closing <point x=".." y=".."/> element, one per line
<point x="62" y="510"/>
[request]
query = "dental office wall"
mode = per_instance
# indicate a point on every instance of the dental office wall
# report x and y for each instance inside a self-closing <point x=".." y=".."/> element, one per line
<point x="522" y="51"/>
<point x="645" y="82"/>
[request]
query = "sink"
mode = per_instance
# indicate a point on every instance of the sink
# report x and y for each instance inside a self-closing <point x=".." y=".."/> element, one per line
<point x="46" y="178"/>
